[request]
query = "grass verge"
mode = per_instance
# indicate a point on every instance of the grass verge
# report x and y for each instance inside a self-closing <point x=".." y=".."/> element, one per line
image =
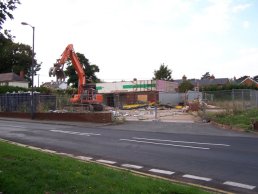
<point x="239" y="119"/>
<point x="23" y="170"/>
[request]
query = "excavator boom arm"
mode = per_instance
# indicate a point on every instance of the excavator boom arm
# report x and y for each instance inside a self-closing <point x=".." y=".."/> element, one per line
<point x="69" y="52"/>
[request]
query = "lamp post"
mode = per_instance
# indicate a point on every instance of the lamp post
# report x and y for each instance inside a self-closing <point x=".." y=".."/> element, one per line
<point x="32" y="71"/>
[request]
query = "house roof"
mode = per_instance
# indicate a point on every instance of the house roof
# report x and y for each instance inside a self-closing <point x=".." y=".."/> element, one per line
<point x="249" y="78"/>
<point x="206" y="82"/>
<point x="219" y="81"/>
<point x="10" y="77"/>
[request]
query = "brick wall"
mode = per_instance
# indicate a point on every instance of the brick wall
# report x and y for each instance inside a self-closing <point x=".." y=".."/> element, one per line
<point x="104" y="117"/>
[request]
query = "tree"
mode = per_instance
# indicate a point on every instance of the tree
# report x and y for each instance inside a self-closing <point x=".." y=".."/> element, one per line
<point x="206" y="76"/>
<point x="89" y="70"/>
<point x="185" y="86"/>
<point x="6" y="7"/>
<point x="164" y="73"/>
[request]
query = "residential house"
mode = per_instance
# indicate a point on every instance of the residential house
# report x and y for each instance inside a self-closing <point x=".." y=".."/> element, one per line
<point x="12" y="79"/>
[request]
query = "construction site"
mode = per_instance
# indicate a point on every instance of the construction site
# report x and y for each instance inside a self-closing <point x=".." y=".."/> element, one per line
<point x="136" y="100"/>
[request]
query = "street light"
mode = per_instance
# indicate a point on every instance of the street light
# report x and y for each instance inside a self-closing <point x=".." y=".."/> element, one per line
<point x="32" y="71"/>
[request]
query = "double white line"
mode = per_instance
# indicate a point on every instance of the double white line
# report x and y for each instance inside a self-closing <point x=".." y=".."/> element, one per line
<point x="169" y="143"/>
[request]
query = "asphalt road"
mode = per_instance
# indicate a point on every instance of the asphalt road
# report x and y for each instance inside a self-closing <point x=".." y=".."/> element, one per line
<point x="192" y="152"/>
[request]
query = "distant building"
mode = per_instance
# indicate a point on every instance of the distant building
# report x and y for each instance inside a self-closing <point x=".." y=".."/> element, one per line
<point x="12" y="79"/>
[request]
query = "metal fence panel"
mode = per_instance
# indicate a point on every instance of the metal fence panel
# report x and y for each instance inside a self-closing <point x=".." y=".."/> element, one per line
<point x="172" y="99"/>
<point x="237" y="99"/>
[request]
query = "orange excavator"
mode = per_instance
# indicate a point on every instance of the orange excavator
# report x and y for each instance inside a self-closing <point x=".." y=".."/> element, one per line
<point x="87" y="94"/>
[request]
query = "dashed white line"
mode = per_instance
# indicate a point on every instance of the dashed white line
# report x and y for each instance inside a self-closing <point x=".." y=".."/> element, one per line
<point x="187" y="142"/>
<point x="196" y="177"/>
<point x="74" y="132"/>
<point x="106" y="161"/>
<point x="161" y="171"/>
<point x="235" y="184"/>
<point x="131" y="166"/>
<point x="156" y="143"/>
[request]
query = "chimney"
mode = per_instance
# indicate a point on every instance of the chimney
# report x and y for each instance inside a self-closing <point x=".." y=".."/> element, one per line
<point x="22" y="74"/>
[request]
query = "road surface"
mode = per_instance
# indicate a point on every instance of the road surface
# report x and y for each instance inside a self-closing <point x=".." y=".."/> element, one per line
<point x="191" y="152"/>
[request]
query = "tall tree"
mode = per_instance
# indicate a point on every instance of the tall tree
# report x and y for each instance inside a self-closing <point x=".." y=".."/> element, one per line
<point x="88" y="68"/>
<point x="164" y="73"/>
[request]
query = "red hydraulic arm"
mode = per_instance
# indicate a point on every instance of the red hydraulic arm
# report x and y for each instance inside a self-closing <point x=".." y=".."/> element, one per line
<point x="69" y="52"/>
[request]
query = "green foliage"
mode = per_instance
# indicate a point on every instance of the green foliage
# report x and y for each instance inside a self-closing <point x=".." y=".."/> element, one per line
<point x="89" y="70"/>
<point x="6" y="7"/>
<point x="164" y="73"/>
<point x="11" y="89"/>
<point x="240" y="119"/>
<point x="185" y="86"/>
<point x="36" y="172"/>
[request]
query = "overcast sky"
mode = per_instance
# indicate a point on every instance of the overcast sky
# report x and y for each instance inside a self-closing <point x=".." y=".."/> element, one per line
<point x="131" y="38"/>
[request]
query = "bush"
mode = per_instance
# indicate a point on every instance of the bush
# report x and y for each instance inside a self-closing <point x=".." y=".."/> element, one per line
<point x="11" y="89"/>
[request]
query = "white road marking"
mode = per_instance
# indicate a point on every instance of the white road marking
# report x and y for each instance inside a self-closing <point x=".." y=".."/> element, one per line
<point x="131" y="166"/>
<point x="14" y="126"/>
<point x="235" y="184"/>
<point x="161" y="171"/>
<point x="83" y="158"/>
<point x="196" y="177"/>
<point x="175" y="145"/>
<point x="106" y="161"/>
<point x="74" y="132"/>
<point x="187" y="142"/>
